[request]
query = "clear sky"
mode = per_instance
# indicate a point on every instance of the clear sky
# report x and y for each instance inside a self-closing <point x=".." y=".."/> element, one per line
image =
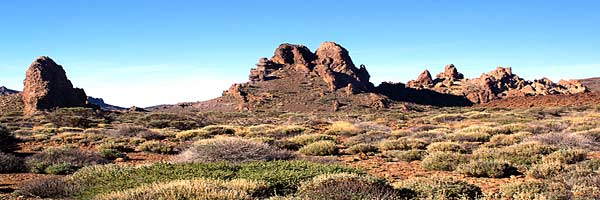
<point x="148" y="52"/>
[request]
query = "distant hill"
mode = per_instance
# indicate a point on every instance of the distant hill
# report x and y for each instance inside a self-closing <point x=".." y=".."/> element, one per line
<point x="592" y="83"/>
<point x="6" y="91"/>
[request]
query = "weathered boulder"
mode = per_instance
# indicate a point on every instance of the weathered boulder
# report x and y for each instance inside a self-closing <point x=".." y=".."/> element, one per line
<point x="299" y="57"/>
<point x="46" y="87"/>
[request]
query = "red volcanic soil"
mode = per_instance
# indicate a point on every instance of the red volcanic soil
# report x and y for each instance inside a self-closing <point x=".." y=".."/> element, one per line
<point x="590" y="98"/>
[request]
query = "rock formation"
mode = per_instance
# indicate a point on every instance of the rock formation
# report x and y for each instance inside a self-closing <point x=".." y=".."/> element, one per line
<point x="497" y="84"/>
<point x="337" y="69"/>
<point x="424" y="79"/>
<point x="46" y="87"/>
<point x="331" y="62"/>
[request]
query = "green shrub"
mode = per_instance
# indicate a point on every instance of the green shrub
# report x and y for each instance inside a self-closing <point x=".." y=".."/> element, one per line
<point x="112" y="154"/>
<point x="348" y="186"/>
<point x="320" y="148"/>
<point x="440" y="188"/>
<point x="470" y="136"/>
<point x="156" y="147"/>
<point x="520" y="155"/>
<point x="282" y="177"/>
<point x="62" y="161"/>
<point x="408" y="155"/>
<point x="192" y="134"/>
<point x="487" y="168"/>
<point x="361" y="148"/>
<point x="10" y="164"/>
<point x="401" y="144"/>
<point x="507" y="140"/>
<point x="310" y="138"/>
<point x="192" y="189"/>
<point x="447" y="118"/>
<point x="444" y="146"/>
<point x="546" y="170"/>
<point x="566" y="156"/>
<point x="235" y="150"/>
<point x="535" y="190"/>
<point x="442" y="161"/>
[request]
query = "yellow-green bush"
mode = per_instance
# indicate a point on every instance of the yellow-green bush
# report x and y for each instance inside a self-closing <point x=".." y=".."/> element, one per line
<point x="444" y="146"/>
<point x="310" y="138"/>
<point x="320" y="148"/>
<point x="343" y="128"/>
<point x="442" y="161"/>
<point x="401" y="144"/>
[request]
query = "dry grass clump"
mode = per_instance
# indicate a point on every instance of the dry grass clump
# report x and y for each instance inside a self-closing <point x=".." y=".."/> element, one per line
<point x="320" y="148"/>
<point x="234" y="150"/>
<point x="274" y="131"/>
<point x="546" y="170"/>
<point x="157" y="147"/>
<point x="368" y="137"/>
<point x="192" y="189"/>
<point x="470" y="136"/>
<point x="54" y="187"/>
<point x="507" y="140"/>
<point x="444" y="146"/>
<point x="520" y="155"/>
<point x="401" y="144"/>
<point x="535" y="189"/>
<point x="487" y="168"/>
<point x="566" y="156"/>
<point x="63" y="160"/>
<point x="362" y="148"/>
<point x="347" y="186"/>
<point x="443" y="161"/>
<point x="408" y="155"/>
<point x="310" y="138"/>
<point x="593" y="134"/>
<point x="343" y="128"/>
<point x="439" y="187"/>
<point x="445" y="118"/>
<point x="565" y="140"/>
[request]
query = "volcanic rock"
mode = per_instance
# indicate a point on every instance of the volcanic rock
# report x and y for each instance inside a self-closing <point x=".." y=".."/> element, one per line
<point x="46" y="87"/>
<point x="333" y="62"/>
<point x="299" y="57"/>
<point x="424" y="80"/>
<point x="497" y="84"/>
<point x="450" y="72"/>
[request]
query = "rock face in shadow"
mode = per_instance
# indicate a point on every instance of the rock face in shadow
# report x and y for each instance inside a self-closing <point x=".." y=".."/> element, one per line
<point x="497" y="84"/>
<point x="46" y="87"/>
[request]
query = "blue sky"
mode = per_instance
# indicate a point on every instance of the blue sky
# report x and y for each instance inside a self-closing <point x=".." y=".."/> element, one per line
<point x="145" y="52"/>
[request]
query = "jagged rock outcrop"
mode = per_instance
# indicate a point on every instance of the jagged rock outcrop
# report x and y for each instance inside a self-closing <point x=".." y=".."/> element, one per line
<point x="450" y="72"/>
<point x="423" y="80"/>
<point x="497" y="84"/>
<point x="46" y="87"/>
<point x="333" y="61"/>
